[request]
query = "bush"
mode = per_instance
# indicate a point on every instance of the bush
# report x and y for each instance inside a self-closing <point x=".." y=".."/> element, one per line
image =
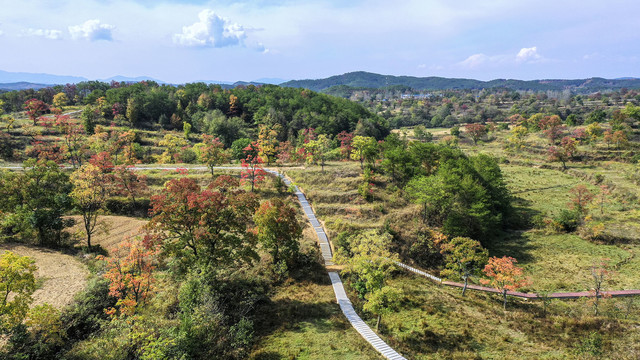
<point x="567" y="220"/>
<point x="86" y="316"/>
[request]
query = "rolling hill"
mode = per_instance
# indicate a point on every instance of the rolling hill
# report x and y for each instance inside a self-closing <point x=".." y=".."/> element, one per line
<point x="361" y="79"/>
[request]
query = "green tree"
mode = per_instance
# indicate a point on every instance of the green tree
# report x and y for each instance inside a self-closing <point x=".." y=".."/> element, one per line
<point x="364" y="148"/>
<point x="17" y="283"/>
<point x="464" y="257"/>
<point x="318" y="150"/>
<point x="278" y="230"/>
<point x="369" y="264"/>
<point x="44" y="197"/>
<point x="383" y="301"/>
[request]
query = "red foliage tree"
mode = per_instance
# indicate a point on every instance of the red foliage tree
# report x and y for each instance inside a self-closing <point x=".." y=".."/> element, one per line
<point x="345" y="139"/>
<point x="35" y="108"/>
<point x="252" y="171"/>
<point x="207" y="227"/>
<point x="128" y="182"/>
<point x="564" y="152"/>
<point x="475" y="131"/>
<point x="581" y="197"/>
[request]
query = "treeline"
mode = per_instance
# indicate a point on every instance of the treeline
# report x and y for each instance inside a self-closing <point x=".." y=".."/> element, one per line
<point x="445" y="108"/>
<point x="149" y="105"/>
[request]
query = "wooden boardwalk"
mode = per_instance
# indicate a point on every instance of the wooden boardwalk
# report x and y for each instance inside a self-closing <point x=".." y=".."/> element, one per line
<point x="341" y="296"/>
<point x="559" y="295"/>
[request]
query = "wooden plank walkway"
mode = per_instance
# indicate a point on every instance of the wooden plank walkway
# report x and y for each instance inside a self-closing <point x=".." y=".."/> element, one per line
<point x="341" y="296"/>
<point x="559" y="295"/>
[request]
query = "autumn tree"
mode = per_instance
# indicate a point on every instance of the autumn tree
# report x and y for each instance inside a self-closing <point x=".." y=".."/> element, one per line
<point x="173" y="147"/>
<point x="91" y="188"/>
<point x="476" y="132"/>
<point x="202" y="228"/>
<point x="601" y="273"/>
<point x="518" y="136"/>
<point x="594" y="131"/>
<point x="552" y="128"/>
<point x="504" y="275"/>
<point x="464" y="257"/>
<point x="128" y="182"/>
<point x="278" y="230"/>
<point x="17" y="283"/>
<point x="345" y="139"/>
<point x="35" y="108"/>
<point x="252" y="171"/>
<point x="75" y="140"/>
<point x="60" y="100"/>
<point x="212" y="152"/>
<point x="564" y="152"/>
<point x="130" y="271"/>
<point x="268" y="142"/>
<point x="581" y="198"/>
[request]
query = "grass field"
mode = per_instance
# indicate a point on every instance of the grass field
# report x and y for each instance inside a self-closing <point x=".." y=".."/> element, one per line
<point x="60" y="276"/>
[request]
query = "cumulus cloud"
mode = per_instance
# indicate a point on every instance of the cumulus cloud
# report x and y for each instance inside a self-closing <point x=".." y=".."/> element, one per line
<point x="211" y="31"/>
<point x="45" y="33"/>
<point x="92" y="30"/>
<point x="528" y="54"/>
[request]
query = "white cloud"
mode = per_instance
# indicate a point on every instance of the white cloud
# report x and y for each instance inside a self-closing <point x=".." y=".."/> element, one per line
<point x="211" y="31"/>
<point x="92" y="30"/>
<point x="528" y="54"/>
<point x="45" y="33"/>
<point x="475" y="60"/>
<point x="1" y="32"/>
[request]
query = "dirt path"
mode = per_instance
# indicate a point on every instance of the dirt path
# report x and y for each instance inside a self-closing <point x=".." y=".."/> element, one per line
<point x="62" y="276"/>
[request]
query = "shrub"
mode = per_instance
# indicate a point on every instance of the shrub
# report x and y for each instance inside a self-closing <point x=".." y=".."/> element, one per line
<point x="567" y="220"/>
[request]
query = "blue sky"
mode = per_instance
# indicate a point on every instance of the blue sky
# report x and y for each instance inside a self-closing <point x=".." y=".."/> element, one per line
<point x="182" y="41"/>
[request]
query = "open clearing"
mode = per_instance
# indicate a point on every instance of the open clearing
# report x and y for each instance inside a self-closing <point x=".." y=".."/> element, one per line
<point x="61" y="276"/>
<point x="115" y="229"/>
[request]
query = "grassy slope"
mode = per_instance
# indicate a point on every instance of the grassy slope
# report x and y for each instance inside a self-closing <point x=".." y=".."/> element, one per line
<point x="437" y="323"/>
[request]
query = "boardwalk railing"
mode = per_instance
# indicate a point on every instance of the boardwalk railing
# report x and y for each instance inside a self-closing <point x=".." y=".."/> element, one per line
<point x="559" y="295"/>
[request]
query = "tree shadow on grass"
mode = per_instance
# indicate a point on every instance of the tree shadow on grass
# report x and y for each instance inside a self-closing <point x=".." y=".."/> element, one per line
<point x="288" y="314"/>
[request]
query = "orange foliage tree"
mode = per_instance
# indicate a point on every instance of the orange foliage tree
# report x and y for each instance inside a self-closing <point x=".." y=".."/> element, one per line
<point x="130" y="273"/>
<point x="504" y="275"/>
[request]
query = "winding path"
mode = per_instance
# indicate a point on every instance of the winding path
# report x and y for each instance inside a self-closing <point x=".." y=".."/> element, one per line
<point x="341" y="296"/>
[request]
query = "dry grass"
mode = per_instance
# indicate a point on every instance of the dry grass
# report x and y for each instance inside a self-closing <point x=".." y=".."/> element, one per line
<point x="62" y="276"/>
<point x="114" y="230"/>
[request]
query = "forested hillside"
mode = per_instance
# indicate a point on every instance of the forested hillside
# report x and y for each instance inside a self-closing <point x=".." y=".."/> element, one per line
<point x="376" y="81"/>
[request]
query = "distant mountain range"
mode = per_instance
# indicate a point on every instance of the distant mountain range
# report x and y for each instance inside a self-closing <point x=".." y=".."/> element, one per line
<point x="22" y="80"/>
<point x="361" y="79"/>
<point x="358" y="79"/>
